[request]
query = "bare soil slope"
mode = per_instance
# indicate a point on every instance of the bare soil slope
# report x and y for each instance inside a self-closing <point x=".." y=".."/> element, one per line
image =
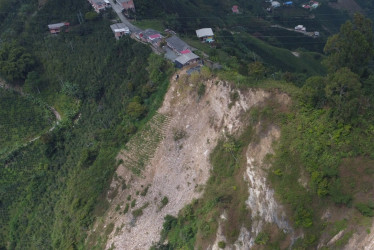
<point x="179" y="168"/>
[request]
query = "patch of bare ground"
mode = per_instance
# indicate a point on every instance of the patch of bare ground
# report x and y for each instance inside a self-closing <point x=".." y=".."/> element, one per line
<point x="179" y="166"/>
<point x="349" y="5"/>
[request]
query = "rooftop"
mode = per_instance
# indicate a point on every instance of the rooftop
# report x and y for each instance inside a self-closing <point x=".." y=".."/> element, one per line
<point x="56" y="25"/>
<point x="204" y="32"/>
<point x="119" y="27"/>
<point x="150" y="32"/>
<point x="177" y="43"/>
<point x="185" y="58"/>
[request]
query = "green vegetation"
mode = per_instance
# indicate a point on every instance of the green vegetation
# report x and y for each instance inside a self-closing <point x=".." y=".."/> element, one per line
<point x="367" y="209"/>
<point x="222" y="244"/>
<point x="106" y="90"/>
<point x="262" y="238"/>
<point x="21" y="120"/>
<point x="164" y="202"/>
<point x="150" y="24"/>
<point x="53" y="189"/>
<point x="139" y="212"/>
<point x="325" y="147"/>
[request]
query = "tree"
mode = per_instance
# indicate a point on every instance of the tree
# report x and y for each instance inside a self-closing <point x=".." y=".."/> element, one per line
<point x="135" y="109"/>
<point x="257" y="70"/>
<point x="15" y="62"/>
<point x="314" y="91"/>
<point x="32" y="82"/>
<point x="352" y="47"/>
<point x="343" y="90"/>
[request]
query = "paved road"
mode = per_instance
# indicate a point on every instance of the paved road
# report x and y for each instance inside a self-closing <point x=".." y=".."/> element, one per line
<point x="118" y="9"/>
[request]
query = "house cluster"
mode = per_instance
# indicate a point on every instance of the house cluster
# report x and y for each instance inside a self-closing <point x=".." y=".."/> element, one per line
<point x="99" y="5"/>
<point x="311" y="5"/>
<point x="276" y="4"/>
<point x="56" y="28"/>
<point x="182" y="50"/>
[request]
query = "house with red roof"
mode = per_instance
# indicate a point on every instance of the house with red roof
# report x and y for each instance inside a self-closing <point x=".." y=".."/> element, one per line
<point x="179" y="46"/>
<point x="56" y="28"/>
<point x="235" y="9"/>
<point x="127" y="4"/>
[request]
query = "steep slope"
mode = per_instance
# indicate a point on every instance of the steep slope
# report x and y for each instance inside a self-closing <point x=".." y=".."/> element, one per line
<point x="185" y="131"/>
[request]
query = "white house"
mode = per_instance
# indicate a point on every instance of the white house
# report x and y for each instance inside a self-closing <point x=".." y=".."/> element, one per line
<point x="119" y="29"/>
<point x="205" y="34"/>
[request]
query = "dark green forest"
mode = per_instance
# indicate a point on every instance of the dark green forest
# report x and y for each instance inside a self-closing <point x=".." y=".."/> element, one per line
<point x="104" y="89"/>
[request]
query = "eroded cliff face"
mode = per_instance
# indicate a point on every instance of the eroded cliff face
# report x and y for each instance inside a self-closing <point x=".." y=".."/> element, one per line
<point x="175" y="157"/>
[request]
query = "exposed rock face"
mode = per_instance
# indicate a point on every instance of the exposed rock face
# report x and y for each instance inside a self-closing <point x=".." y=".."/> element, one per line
<point x="362" y="241"/>
<point x="261" y="202"/>
<point x="180" y="164"/>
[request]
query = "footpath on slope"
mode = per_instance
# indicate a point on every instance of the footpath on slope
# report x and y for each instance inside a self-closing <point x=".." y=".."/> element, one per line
<point x="6" y="86"/>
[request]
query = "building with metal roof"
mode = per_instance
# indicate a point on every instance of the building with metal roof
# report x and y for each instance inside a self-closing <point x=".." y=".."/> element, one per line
<point x="177" y="44"/>
<point x="205" y="32"/>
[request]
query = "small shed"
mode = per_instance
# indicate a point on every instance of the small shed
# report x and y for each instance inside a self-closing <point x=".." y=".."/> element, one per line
<point x="205" y="34"/>
<point x="55" y="28"/>
<point x="119" y="29"/>
<point x="275" y="4"/>
<point x="186" y="59"/>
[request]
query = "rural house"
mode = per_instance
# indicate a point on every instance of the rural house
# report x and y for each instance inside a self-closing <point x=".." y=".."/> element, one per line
<point x="178" y="45"/>
<point x="127" y="4"/>
<point x="275" y="4"/>
<point x="151" y="36"/>
<point x="119" y="29"/>
<point x="235" y="9"/>
<point x="186" y="59"/>
<point x="56" y="27"/>
<point x="98" y="5"/>
<point x="206" y="35"/>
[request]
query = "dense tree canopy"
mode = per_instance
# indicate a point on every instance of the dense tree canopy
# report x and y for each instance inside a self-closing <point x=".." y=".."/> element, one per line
<point x="352" y="47"/>
<point x="343" y="89"/>
<point x="15" y="62"/>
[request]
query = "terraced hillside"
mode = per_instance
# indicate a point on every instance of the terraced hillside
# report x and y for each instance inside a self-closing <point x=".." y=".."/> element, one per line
<point x="141" y="148"/>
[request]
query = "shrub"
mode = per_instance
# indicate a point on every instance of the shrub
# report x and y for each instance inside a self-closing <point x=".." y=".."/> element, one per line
<point x="145" y="191"/>
<point x="366" y="209"/>
<point x="126" y="208"/>
<point x="164" y="202"/>
<point x="133" y="203"/>
<point x="179" y="134"/>
<point x="262" y="238"/>
<point x="201" y="90"/>
<point x="222" y="244"/>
